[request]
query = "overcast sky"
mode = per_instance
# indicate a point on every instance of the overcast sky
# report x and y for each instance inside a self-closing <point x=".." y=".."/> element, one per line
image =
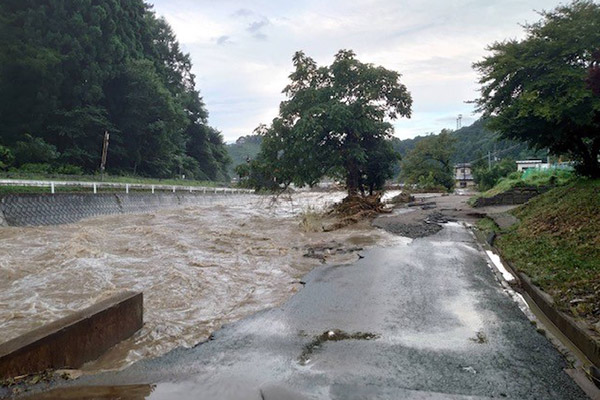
<point x="242" y="50"/>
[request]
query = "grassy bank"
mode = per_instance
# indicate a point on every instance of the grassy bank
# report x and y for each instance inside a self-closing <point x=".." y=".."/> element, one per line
<point x="554" y="177"/>
<point x="557" y="243"/>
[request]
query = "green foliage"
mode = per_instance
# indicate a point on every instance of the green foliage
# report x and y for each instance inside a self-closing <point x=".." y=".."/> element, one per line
<point x="66" y="169"/>
<point x="34" y="150"/>
<point x="429" y="163"/>
<point x="35" y="168"/>
<point x="334" y="123"/>
<point x="71" y="70"/>
<point x="540" y="89"/>
<point x="242" y="171"/>
<point x="244" y="149"/>
<point x="486" y="178"/>
<point x="544" y="177"/>
<point x="6" y="157"/>
<point x="473" y="143"/>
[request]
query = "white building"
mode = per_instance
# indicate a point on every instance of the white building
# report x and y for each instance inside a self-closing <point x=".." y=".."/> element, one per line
<point x="463" y="175"/>
<point x="524" y="165"/>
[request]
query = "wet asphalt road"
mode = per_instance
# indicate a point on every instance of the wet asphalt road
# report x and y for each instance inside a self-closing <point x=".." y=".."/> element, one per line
<point x="422" y="320"/>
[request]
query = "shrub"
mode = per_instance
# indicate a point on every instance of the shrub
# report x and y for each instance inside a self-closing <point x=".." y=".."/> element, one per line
<point x="69" y="169"/>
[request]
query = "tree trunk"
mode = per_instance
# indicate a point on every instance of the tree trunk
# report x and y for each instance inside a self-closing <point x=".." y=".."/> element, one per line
<point x="352" y="184"/>
<point x="590" y="166"/>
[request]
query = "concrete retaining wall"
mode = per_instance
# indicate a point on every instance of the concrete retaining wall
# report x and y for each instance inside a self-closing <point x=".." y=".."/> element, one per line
<point x="584" y="338"/>
<point x="73" y="340"/>
<point x="63" y="208"/>
<point x="516" y="195"/>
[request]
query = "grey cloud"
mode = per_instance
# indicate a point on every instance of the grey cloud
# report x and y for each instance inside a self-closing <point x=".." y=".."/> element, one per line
<point x="221" y="40"/>
<point x="257" y="25"/>
<point x="260" y="36"/>
<point x="242" y="12"/>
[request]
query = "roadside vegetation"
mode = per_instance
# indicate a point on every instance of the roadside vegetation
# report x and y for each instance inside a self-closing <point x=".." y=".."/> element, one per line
<point x="537" y="178"/>
<point x="16" y="189"/>
<point x="557" y="243"/>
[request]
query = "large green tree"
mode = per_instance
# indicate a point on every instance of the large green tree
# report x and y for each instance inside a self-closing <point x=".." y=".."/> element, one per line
<point x="430" y="162"/>
<point x="540" y="89"/>
<point x="334" y="123"/>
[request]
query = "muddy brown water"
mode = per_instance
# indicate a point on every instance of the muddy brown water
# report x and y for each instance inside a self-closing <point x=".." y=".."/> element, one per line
<point x="199" y="267"/>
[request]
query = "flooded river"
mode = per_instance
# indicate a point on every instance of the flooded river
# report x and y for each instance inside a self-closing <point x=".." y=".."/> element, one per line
<point x="199" y="267"/>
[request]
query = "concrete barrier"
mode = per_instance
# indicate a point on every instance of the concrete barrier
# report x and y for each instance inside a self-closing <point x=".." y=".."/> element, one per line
<point x="586" y="340"/>
<point x="64" y="208"/>
<point x="73" y="340"/>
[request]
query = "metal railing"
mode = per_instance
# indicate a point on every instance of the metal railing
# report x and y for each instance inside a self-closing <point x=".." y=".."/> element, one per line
<point x="96" y="186"/>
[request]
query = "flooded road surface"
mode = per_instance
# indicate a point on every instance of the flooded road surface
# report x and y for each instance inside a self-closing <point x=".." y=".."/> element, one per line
<point x="199" y="267"/>
<point x="423" y="319"/>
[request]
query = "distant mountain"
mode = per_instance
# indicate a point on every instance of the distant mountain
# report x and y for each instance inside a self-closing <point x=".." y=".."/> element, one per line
<point x="474" y="142"/>
<point x="246" y="147"/>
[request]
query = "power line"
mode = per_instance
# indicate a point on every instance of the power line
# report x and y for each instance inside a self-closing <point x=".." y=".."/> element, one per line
<point x="495" y="153"/>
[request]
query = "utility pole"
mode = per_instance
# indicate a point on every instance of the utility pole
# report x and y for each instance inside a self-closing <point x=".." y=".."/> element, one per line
<point x="489" y="161"/>
<point x="104" y="153"/>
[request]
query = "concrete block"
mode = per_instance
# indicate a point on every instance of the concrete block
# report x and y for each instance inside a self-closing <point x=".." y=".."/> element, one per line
<point x="71" y="341"/>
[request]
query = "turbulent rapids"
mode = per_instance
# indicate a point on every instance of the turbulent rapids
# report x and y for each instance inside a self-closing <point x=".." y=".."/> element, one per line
<point x="199" y="267"/>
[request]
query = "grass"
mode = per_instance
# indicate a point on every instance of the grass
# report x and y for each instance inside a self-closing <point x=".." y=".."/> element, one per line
<point x="487" y="225"/>
<point x="552" y="177"/>
<point x="110" y="178"/>
<point x="92" y="178"/>
<point x="557" y="243"/>
<point x="311" y="220"/>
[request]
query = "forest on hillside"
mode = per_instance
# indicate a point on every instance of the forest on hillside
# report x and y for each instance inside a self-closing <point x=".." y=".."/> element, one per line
<point x="473" y="142"/>
<point x="245" y="148"/>
<point x="71" y="70"/>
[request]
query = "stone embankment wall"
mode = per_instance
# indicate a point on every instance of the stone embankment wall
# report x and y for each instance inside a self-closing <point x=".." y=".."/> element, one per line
<point x="63" y="208"/>
<point x="516" y="195"/>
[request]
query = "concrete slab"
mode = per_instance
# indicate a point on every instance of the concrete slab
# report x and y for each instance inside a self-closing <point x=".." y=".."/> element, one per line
<point x="73" y="340"/>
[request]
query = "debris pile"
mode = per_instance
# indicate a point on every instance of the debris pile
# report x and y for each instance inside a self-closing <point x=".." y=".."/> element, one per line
<point x="402" y="198"/>
<point x="356" y="208"/>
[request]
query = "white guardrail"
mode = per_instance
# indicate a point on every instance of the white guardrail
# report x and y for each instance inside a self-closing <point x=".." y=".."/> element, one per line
<point x="95" y="186"/>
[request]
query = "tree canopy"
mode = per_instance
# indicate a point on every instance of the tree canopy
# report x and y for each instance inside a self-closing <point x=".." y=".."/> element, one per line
<point x="334" y="122"/>
<point x="430" y="162"/>
<point x="71" y="70"/>
<point x="542" y="89"/>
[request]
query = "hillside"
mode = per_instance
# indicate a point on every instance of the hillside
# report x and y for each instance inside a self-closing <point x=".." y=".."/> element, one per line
<point x="243" y="148"/>
<point x="474" y="142"/>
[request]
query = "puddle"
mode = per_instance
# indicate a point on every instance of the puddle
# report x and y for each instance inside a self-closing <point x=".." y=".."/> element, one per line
<point x="335" y="335"/>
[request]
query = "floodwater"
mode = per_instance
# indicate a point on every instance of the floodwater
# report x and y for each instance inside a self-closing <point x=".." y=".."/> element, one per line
<point x="199" y="267"/>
